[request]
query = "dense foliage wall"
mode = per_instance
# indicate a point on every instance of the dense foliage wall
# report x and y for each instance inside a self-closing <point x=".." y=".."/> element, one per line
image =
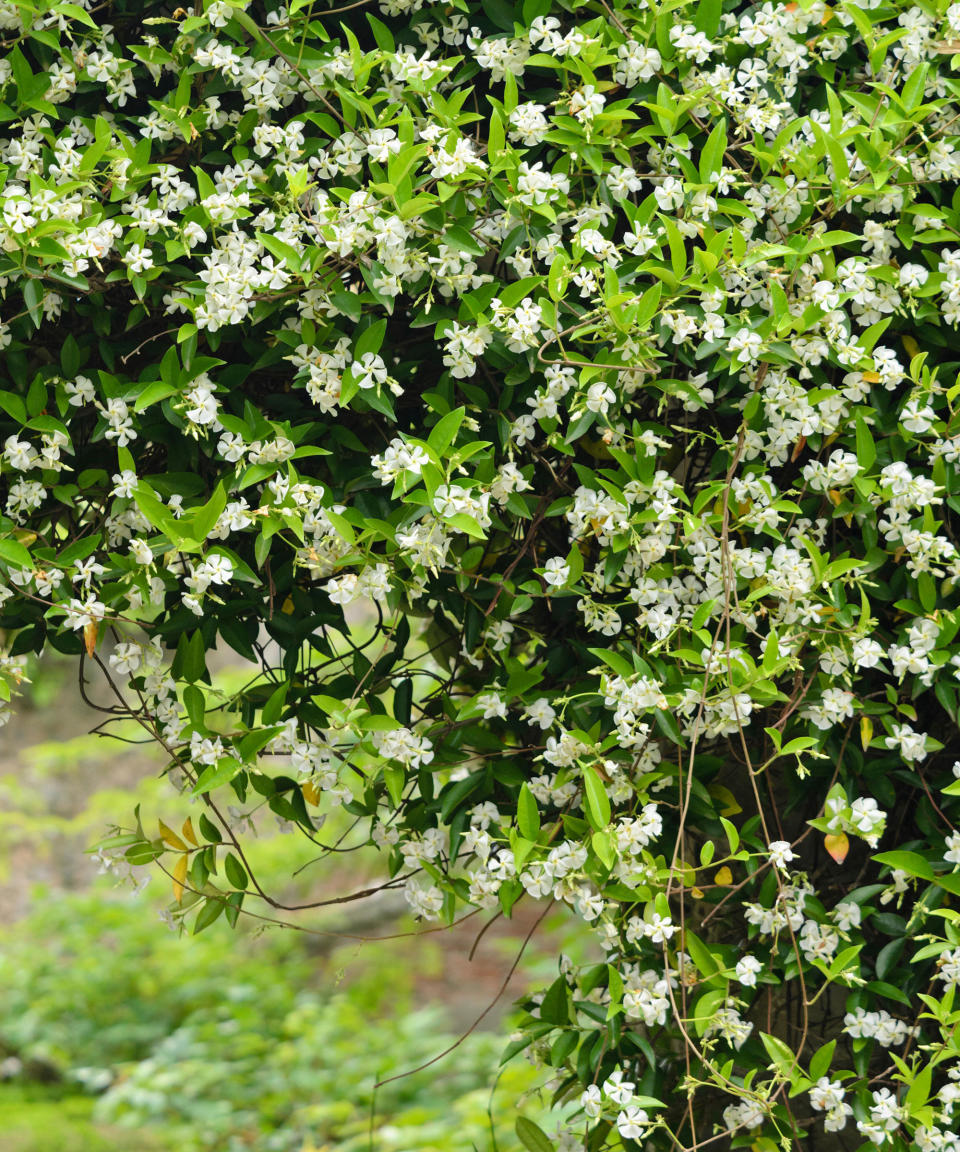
<point x="557" y="402"/>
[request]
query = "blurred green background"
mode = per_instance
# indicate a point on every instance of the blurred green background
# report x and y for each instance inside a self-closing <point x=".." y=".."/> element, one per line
<point x="118" y="1034"/>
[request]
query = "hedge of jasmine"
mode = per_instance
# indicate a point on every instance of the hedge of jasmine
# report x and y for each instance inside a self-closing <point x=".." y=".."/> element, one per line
<point x="556" y="403"/>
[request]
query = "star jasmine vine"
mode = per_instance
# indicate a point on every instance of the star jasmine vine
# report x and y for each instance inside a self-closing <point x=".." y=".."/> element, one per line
<point x="555" y="403"/>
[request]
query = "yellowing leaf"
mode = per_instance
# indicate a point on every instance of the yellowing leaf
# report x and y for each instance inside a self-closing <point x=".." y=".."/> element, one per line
<point x="764" y="1144"/>
<point x="911" y="345"/>
<point x="311" y="793"/>
<point x="724" y="877"/>
<point x="726" y="798"/>
<point x="837" y="845"/>
<point x="170" y="837"/>
<point x="179" y="877"/>
<point x="696" y="893"/>
<point x="866" y="731"/>
<point x="287" y="608"/>
<point x="188" y="833"/>
<point x="871" y="377"/>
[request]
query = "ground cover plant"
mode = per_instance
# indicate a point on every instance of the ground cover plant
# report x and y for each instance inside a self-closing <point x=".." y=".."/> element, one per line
<point x="113" y="1035"/>
<point x="555" y="403"/>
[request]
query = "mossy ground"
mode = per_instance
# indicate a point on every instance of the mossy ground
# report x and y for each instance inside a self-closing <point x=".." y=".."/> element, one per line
<point x="41" y="1119"/>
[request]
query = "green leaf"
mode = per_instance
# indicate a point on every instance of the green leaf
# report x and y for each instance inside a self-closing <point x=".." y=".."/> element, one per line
<point x="555" y="1006"/>
<point x="838" y="158"/>
<point x="79" y="549"/>
<point x="678" y="249"/>
<point x="557" y="277"/>
<point x="205" y="185"/>
<point x="708" y="964"/>
<point x="733" y="836"/>
<point x="193" y="665"/>
<point x="840" y="568"/>
<point x="866" y="449"/>
<point x="888" y="956"/>
<point x="195" y="704"/>
<point x="532" y="1136"/>
<point x="604" y="847"/>
<point x="202" y="520"/>
<point x="781" y="1054"/>
<point x="647" y="305"/>
<point x="235" y="871"/>
<point x="821" y="1059"/>
<point x="212" y="908"/>
<point x="496" y="139"/>
<point x="210" y="831"/>
<point x="797" y="745"/>
<point x="711" y="157"/>
<point x="152" y="394"/>
<point x="927" y="591"/>
<point x="273" y="708"/>
<point x="403" y="700"/>
<point x="157" y="513"/>
<point x="781" y="306"/>
<point x="15" y="554"/>
<point x="910" y="862"/>
<point x="254" y="740"/>
<point x="596" y="798"/>
<point x="232" y="908"/>
<point x="33" y="298"/>
<point x="36" y="400"/>
<point x="702" y="615"/>
<point x="465" y="523"/>
<point x="444" y="432"/>
<point x="919" y="1091"/>
<point x="382" y="34"/>
<point x="74" y="12"/>
<point x="912" y="92"/>
<point x="460" y="238"/>
<point x="614" y="661"/>
<point x="285" y="253"/>
<point x="370" y="339"/>
<point x="528" y="815"/>
<point x="862" y="21"/>
<point x="394" y="778"/>
<point x="704" y="1011"/>
<point x="144" y="852"/>
<point x="216" y="775"/>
